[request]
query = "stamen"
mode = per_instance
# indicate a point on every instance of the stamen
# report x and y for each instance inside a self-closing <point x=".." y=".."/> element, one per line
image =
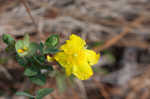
<point x="25" y="48"/>
<point x="20" y="51"/>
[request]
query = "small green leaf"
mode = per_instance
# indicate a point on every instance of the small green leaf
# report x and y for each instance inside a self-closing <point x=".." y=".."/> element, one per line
<point x="40" y="59"/>
<point x="32" y="48"/>
<point x="23" y="43"/>
<point x="24" y="94"/>
<point x="22" y="61"/>
<point x="31" y="71"/>
<point x="8" y="39"/>
<point x="47" y="67"/>
<point x="26" y="39"/>
<point x="10" y="48"/>
<point x="31" y="98"/>
<point x="19" y="44"/>
<point x="41" y="47"/>
<point x="43" y="92"/>
<point x="52" y="41"/>
<point x="10" y="42"/>
<point x="39" y="79"/>
<point x="51" y="51"/>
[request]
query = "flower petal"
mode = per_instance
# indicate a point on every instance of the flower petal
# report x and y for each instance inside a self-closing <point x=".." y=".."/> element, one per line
<point x="92" y="57"/>
<point x="61" y="58"/>
<point x="49" y="58"/>
<point x="77" y="40"/>
<point x="83" y="72"/>
<point x="68" y="71"/>
<point x="74" y="43"/>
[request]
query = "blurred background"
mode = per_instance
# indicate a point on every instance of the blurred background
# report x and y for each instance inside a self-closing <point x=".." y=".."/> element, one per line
<point x="118" y="29"/>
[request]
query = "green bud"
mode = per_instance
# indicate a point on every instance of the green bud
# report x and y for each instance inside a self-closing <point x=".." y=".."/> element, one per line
<point x="52" y="41"/>
<point x="8" y="39"/>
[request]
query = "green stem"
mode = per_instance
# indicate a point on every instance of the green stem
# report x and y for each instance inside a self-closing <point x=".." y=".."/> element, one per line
<point x="29" y="13"/>
<point x="37" y="60"/>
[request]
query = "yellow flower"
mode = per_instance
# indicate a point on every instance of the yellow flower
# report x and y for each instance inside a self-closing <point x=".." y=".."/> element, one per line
<point x="76" y="59"/>
<point x="49" y="58"/>
<point x="22" y="50"/>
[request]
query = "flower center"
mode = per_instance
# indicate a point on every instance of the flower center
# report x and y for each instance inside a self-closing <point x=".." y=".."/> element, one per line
<point x="22" y="50"/>
<point x="75" y="54"/>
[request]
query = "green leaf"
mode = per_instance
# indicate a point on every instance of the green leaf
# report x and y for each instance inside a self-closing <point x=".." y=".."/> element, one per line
<point x="31" y="71"/>
<point x="8" y="39"/>
<point x="26" y="38"/>
<point x="41" y="47"/>
<point x="23" y="43"/>
<point x="32" y="48"/>
<point x="40" y="59"/>
<point x="31" y="98"/>
<point x="19" y="44"/>
<point x="52" y="41"/>
<point x="43" y="92"/>
<point x="10" y="48"/>
<point x="39" y="79"/>
<point x="32" y="61"/>
<point x="47" y="67"/>
<point x="51" y="50"/>
<point x="10" y="43"/>
<point x="24" y="94"/>
<point x="22" y="61"/>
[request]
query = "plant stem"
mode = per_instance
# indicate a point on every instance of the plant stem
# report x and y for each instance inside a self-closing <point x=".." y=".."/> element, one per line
<point x="29" y="13"/>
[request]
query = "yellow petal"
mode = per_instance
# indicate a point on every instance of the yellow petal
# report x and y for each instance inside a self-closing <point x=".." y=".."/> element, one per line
<point x="77" y="40"/>
<point x="74" y="43"/>
<point x="68" y="71"/>
<point x="61" y="58"/>
<point x="49" y="58"/>
<point x="92" y="57"/>
<point x="20" y="51"/>
<point x="82" y="72"/>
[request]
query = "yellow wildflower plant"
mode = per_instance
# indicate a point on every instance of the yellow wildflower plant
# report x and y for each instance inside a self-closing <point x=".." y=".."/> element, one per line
<point x="76" y="59"/>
